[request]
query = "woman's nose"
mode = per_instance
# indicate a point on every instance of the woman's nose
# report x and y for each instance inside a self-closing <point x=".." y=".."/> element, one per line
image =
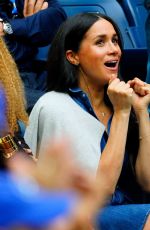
<point x="113" y="48"/>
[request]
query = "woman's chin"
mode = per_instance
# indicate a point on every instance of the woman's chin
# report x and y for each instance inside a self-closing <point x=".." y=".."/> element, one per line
<point x="113" y="76"/>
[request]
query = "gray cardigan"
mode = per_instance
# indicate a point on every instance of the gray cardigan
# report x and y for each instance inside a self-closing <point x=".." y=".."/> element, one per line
<point x="56" y="115"/>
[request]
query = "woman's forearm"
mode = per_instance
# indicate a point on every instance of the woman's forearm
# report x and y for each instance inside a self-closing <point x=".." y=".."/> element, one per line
<point x="143" y="158"/>
<point x="111" y="161"/>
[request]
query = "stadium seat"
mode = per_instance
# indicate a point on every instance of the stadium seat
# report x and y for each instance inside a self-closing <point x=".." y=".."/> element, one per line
<point x="136" y="15"/>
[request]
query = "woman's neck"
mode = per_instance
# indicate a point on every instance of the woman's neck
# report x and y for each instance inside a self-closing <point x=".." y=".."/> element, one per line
<point x="96" y="97"/>
<point x="95" y="94"/>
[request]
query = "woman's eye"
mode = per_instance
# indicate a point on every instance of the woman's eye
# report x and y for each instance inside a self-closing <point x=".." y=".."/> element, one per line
<point x="100" y="42"/>
<point x="115" y="40"/>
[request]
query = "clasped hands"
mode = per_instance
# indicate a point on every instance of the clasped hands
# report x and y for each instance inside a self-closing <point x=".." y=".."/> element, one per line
<point x="135" y="93"/>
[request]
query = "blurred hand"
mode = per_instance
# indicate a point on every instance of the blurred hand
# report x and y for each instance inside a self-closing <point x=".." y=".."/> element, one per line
<point x="62" y="171"/>
<point x="58" y="170"/>
<point x="33" y="6"/>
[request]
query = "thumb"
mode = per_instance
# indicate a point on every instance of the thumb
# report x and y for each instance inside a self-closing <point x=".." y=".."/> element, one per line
<point x="113" y="76"/>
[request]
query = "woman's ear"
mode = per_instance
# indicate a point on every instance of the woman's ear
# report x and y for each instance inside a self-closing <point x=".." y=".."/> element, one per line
<point x="72" y="57"/>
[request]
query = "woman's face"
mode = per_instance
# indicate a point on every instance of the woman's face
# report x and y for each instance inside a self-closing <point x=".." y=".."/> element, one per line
<point x="99" y="53"/>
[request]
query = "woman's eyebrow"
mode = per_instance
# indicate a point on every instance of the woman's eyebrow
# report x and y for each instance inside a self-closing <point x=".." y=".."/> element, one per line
<point x="98" y="36"/>
<point x="104" y="35"/>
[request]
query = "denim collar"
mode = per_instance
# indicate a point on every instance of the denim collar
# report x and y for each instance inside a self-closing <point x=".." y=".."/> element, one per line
<point x="81" y="98"/>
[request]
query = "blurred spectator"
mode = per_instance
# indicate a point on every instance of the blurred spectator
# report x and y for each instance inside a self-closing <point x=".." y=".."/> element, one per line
<point x="33" y="26"/>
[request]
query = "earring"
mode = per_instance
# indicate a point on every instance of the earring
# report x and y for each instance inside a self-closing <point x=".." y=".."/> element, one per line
<point x="76" y="63"/>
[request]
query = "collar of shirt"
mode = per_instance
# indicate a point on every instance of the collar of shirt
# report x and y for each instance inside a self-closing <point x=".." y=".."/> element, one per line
<point x="82" y="100"/>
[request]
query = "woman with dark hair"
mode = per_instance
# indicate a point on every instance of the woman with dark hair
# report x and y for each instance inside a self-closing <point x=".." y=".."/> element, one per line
<point x="101" y="114"/>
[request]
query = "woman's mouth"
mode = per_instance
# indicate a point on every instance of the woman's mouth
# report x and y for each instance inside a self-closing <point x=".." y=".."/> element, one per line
<point x="111" y="64"/>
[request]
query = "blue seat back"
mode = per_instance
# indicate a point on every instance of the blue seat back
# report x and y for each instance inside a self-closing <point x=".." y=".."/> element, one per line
<point x="136" y="15"/>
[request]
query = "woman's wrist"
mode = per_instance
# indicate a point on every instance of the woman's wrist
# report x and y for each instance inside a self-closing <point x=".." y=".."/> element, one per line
<point x="141" y="113"/>
<point x="122" y="113"/>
